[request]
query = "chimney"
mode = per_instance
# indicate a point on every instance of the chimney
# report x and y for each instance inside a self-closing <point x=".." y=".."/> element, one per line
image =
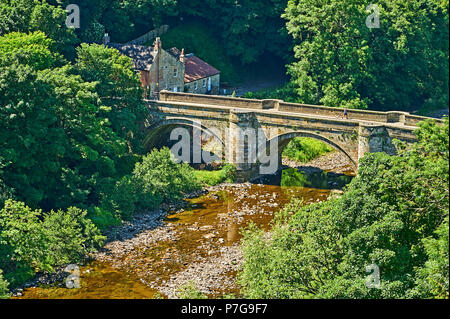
<point x="182" y="56"/>
<point x="106" y="39"/>
<point x="157" y="44"/>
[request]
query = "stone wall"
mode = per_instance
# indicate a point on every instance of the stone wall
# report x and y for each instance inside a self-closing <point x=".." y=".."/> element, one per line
<point x="217" y="100"/>
<point x="202" y="85"/>
<point x="162" y="73"/>
<point x="373" y="132"/>
<point x="279" y="105"/>
<point x="149" y="36"/>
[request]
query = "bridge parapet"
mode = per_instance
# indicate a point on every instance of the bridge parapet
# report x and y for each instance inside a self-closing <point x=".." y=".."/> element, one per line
<point x="404" y="118"/>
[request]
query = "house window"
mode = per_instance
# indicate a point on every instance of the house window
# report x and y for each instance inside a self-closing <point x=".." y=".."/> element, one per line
<point x="175" y="73"/>
<point x="195" y="86"/>
<point x="204" y="83"/>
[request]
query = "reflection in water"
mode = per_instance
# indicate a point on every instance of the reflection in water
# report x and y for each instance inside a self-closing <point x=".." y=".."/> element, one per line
<point x="212" y="221"/>
<point x="306" y="177"/>
<point x="320" y="179"/>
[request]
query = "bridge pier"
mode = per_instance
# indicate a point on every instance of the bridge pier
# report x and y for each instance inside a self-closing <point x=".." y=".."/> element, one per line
<point x="242" y="144"/>
<point x="374" y="139"/>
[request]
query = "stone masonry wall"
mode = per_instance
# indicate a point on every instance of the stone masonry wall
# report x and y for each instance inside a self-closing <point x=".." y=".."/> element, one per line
<point x="215" y="85"/>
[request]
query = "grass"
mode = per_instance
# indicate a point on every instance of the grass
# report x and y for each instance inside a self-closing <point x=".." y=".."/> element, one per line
<point x="103" y="219"/>
<point x="211" y="178"/>
<point x="305" y="149"/>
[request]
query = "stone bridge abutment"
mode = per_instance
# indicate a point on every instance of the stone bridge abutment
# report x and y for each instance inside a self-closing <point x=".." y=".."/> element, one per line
<point x="242" y="131"/>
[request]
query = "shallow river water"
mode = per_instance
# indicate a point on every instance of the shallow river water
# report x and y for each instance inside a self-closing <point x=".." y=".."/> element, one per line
<point x="199" y="244"/>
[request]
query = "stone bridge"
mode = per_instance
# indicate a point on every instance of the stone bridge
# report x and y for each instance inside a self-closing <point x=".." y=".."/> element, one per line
<point x="276" y="123"/>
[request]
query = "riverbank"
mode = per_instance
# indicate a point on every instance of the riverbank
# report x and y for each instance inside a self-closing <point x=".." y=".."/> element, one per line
<point x="335" y="162"/>
<point x="164" y="250"/>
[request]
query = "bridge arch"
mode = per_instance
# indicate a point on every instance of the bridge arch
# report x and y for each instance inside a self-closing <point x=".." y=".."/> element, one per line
<point x="161" y="128"/>
<point x="285" y="138"/>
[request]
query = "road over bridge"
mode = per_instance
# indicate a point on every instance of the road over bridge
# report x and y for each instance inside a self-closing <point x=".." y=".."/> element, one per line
<point x="229" y="122"/>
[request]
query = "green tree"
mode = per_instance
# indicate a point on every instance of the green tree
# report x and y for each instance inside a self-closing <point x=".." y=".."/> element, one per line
<point x="122" y="19"/>
<point x="45" y="102"/>
<point x="247" y="28"/>
<point x="32" y="241"/>
<point x="341" y="62"/>
<point x="118" y="88"/>
<point x="432" y="279"/>
<point x="3" y="287"/>
<point x="387" y="216"/>
<point x="160" y="175"/>
<point x="31" y="15"/>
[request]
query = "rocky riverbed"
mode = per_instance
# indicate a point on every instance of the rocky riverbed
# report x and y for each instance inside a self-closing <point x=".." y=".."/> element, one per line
<point x="335" y="162"/>
<point x="196" y="240"/>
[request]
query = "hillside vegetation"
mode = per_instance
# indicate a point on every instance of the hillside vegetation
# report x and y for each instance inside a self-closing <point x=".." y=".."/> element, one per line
<point x="393" y="216"/>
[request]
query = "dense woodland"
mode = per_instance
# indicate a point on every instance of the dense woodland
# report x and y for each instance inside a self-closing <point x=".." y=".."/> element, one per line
<point x="393" y="214"/>
<point x="72" y="164"/>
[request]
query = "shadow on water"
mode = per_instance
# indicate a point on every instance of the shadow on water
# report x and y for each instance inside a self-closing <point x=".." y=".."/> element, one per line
<point x="306" y="177"/>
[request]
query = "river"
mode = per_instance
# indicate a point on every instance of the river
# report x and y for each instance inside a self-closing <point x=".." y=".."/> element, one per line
<point x="199" y="244"/>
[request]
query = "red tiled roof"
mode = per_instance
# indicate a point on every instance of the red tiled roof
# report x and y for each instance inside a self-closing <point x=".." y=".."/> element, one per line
<point x="197" y="69"/>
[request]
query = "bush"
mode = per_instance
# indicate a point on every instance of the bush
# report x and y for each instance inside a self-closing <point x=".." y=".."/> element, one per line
<point x="120" y="200"/>
<point x="211" y="178"/>
<point x="433" y="278"/>
<point x="32" y="241"/>
<point x="3" y="287"/>
<point x="103" y="219"/>
<point x="156" y="179"/>
<point x="304" y="149"/>
<point x="159" y="176"/>
<point x="393" y="214"/>
<point x="190" y="291"/>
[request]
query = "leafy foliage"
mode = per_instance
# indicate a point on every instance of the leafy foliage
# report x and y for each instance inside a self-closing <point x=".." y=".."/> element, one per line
<point x="341" y="62"/>
<point x="30" y="15"/>
<point x="88" y="138"/>
<point x="247" y="28"/>
<point x="117" y="87"/>
<point x="196" y="38"/>
<point x="159" y="175"/>
<point x="211" y="178"/>
<point x="190" y="291"/>
<point x="156" y="179"/>
<point x="102" y="218"/>
<point x="432" y="279"/>
<point x="3" y="287"/>
<point x="388" y="216"/>
<point x="305" y="149"/>
<point x="33" y="241"/>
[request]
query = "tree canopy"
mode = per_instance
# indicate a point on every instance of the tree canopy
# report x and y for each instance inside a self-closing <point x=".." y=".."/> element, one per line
<point x="341" y="62"/>
<point x="394" y="215"/>
<point x="59" y="138"/>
